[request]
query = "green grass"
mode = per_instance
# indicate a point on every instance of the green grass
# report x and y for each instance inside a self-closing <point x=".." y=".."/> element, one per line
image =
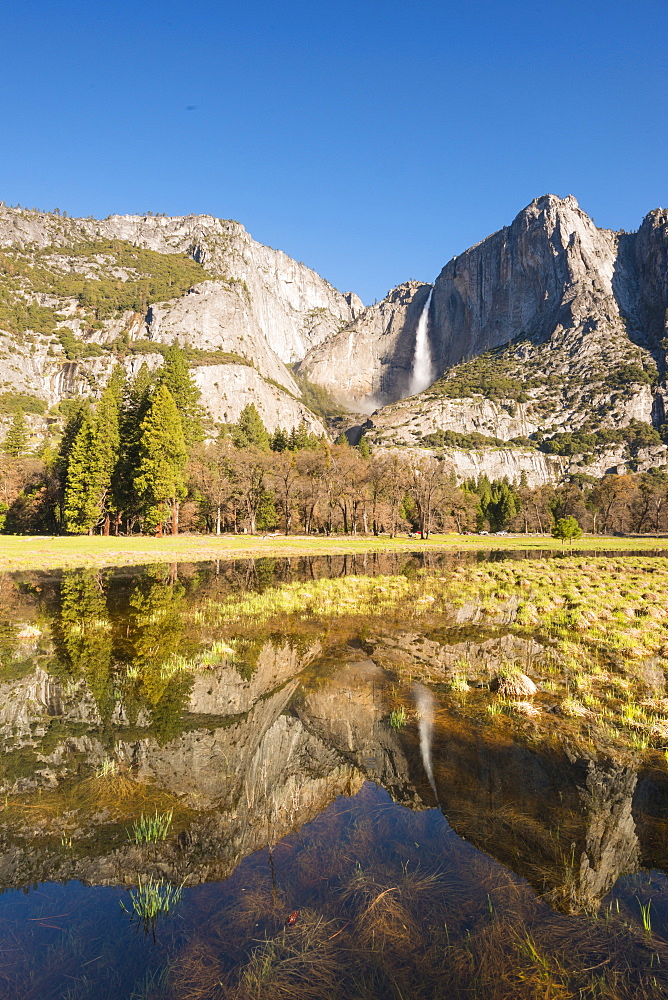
<point x="28" y="552"/>
<point x="152" y="897"/>
<point x="151" y="829"/>
<point x="398" y="718"/>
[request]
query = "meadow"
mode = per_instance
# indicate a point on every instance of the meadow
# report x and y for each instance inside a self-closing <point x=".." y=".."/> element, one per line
<point x="32" y="552"/>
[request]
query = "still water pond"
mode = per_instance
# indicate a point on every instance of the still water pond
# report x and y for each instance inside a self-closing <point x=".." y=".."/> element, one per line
<point x="209" y="794"/>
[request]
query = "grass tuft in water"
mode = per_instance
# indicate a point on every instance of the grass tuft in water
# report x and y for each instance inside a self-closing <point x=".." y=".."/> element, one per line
<point x="398" y="718"/>
<point x="152" y="897"/>
<point x="107" y="769"/>
<point x="645" y="915"/>
<point x="151" y="829"/>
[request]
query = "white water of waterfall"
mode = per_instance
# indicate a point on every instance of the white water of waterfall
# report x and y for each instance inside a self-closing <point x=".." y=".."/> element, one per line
<point x="424" y="703"/>
<point x="422" y="372"/>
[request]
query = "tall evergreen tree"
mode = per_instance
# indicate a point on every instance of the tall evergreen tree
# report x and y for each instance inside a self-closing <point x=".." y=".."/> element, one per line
<point x="175" y="374"/>
<point x="84" y="480"/>
<point x="79" y="410"/>
<point x="160" y="477"/>
<point x="91" y="463"/>
<point x="279" y="440"/>
<point x="135" y="406"/>
<point x="16" y="440"/>
<point x="107" y="419"/>
<point x="300" y="437"/>
<point x="249" y="431"/>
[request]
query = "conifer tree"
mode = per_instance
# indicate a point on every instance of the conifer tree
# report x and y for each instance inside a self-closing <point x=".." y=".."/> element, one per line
<point x="175" y="374"/>
<point x="91" y="462"/>
<point x="79" y="410"/>
<point x="160" y="477"/>
<point x="16" y="440"/>
<point x="363" y="447"/>
<point x="280" y="440"/>
<point x="107" y="418"/>
<point x="135" y="406"/>
<point x="83" y="483"/>
<point x="300" y="437"/>
<point x="249" y="431"/>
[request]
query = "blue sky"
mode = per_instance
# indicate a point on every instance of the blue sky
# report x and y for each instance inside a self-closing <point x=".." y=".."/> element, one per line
<point x="371" y="140"/>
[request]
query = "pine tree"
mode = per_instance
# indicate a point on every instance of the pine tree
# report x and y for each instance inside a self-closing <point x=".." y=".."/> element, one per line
<point x="342" y="439"/>
<point x="176" y="376"/>
<point x="79" y="410"/>
<point x="16" y="439"/>
<point x="249" y="430"/>
<point x="107" y="419"/>
<point x="135" y="406"/>
<point x="92" y="461"/>
<point x="364" y="448"/>
<point x="84" y="481"/>
<point x="279" y="441"/>
<point x="160" y="477"/>
<point x="300" y="437"/>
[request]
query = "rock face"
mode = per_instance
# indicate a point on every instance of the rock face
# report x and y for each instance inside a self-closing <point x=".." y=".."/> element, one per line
<point x="292" y="305"/>
<point x="370" y="359"/>
<point x="574" y="318"/>
<point x="253" y="302"/>
<point x="550" y="325"/>
<point x="552" y="268"/>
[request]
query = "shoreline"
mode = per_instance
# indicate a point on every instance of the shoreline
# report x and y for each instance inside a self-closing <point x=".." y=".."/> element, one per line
<point x="30" y="552"/>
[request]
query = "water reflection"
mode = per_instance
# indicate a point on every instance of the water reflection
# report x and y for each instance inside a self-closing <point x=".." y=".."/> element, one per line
<point x="290" y="791"/>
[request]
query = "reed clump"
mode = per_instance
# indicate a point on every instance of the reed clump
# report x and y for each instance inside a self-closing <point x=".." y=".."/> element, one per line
<point x="151" y="829"/>
<point x="152" y="898"/>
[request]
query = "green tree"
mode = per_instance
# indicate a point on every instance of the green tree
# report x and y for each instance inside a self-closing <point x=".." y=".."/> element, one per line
<point x="136" y="404"/>
<point x="300" y="439"/>
<point x="107" y="425"/>
<point x="16" y="439"/>
<point x="91" y="463"/>
<point x="77" y="411"/>
<point x="364" y="448"/>
<point x="160" y="479"/>
<point x="175" y="374"/>
<point x="279" y="440"/>
<point x="249" y="431"/>
<point x="566" y="528"/>
<point x="84" y="481"/>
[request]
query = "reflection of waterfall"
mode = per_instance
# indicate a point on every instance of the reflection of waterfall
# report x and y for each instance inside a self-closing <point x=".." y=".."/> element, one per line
<point x="422" y="373"/>
<point x="424" y="703"/>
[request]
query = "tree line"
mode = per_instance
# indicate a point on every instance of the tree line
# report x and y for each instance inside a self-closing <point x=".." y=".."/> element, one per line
<point x="139" y="461"/>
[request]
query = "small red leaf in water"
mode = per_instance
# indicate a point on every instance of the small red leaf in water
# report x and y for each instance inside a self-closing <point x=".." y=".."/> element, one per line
<point x="292" y="919"/>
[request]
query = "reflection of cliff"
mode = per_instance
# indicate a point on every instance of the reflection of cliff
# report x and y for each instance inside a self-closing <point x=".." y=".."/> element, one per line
<point x="565" y="825"/>
<point x="264" y="738"/>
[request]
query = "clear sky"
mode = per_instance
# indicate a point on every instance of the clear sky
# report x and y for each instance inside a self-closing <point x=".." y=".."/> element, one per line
<point x="372" y="140"/>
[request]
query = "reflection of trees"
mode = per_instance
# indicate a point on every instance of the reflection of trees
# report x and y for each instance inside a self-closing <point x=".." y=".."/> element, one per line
<point x="135" y="658"/>
<point x="83" y="635"/>
<point x="153" y="637"/>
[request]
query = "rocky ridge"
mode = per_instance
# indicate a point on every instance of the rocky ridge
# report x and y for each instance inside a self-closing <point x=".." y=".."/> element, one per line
<point x="550" y="326"/>
<point x="255" y="305"/>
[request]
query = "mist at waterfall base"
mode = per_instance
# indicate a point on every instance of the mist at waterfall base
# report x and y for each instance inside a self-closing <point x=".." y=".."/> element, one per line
<point x="422" y="372"/>
<point x="424" y="704"/>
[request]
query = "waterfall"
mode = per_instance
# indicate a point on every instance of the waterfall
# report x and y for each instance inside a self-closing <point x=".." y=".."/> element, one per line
<point x="424" y="702"/>
<point x="422" y="372"/>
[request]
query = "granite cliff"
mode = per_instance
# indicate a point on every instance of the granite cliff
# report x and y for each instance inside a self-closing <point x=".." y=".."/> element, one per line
<point x="548" y="328"/>
<point x="66" y="311"/>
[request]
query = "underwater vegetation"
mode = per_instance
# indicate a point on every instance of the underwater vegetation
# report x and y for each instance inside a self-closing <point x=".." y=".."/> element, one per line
<point x="150" y="899"/>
